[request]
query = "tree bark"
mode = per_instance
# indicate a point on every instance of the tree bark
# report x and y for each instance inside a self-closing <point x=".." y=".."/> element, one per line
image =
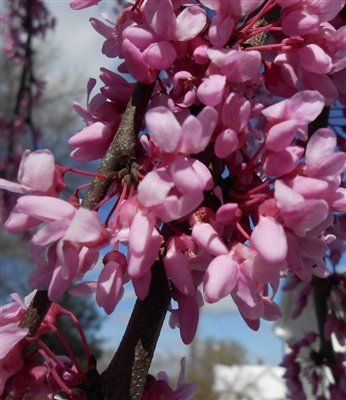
<point x="125" y="377"/>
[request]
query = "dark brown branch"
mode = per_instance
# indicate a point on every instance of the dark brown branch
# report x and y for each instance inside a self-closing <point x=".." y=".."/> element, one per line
<point x="321" y="293"/>
<point x="126" y="375"/>
<point x="122" y="151"/>
<point x="36" y="312"/>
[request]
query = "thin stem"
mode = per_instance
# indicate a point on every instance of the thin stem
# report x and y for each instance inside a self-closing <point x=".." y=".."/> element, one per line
<point x="105" y="200"/>
<point x="66" y="345"/>
<point x="250" y="164"/>
<point x="263" y="186"/>
<point x="85" y="173"/>
<point x="249" y="202"/>
<point x="118" y="205"/>
<point x="247" y="25"/>
<point x="242" y="231"/>
<point x="49" y="352"/>
<point x="81" y="333"/>
<point x="53" y="371"/>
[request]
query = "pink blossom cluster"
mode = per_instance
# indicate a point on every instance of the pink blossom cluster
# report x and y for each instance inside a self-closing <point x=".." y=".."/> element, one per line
<point x="22" y="374"/>
<point x="160" y="389"/>
<point x="242" y="227"/>
<point x="246" y="194"/>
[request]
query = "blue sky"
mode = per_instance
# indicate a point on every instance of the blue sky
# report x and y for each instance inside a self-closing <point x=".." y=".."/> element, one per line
<point x="220" y="321"/>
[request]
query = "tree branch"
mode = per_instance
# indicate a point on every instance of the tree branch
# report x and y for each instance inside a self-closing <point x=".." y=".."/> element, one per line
<point x="122" y="150"/>
<point x="321" y="293"/>
<point x="126" y="375"/>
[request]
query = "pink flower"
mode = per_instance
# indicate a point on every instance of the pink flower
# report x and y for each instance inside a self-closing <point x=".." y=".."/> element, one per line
<point x="177" y="266"/>
<point x="136" y="229"/>
<point x="282" y="162"/>
<point x="187" y="25"/>
<point x="291" y="116"/>
<point x="269" y="239"/>
<point x="109" y="286"/>
<point x="149" y="48"/>
<point x="227" y="12"/>
<point x="235" y="64"/>
<point x="80" y="4"/>
<point x="321" y="160"/>
<point x="11" y="337"/>
<point x="101" y="117"/>
<point x="184" y="89"/>
<point x="37" y="175"/>
<point x="190" y="137"/>
<point x="173" y="191"/>
<point x="299" y="214"/>
<point x="235" y="117"/>
<point x="323" y="11"/>
<point x="159" y="388"/>
<point x="167" y="193"/>
<point x="11" y="358"/>
<point x="186" y="317"/>
<point x="93" y="141"/>
<point x="211" y="90"/>
<point x="67" y="230"/>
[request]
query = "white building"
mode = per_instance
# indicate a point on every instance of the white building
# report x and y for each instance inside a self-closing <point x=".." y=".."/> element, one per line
<point x="249" y="382"/>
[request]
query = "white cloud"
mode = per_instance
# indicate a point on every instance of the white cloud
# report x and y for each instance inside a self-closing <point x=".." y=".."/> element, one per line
<point x="78" y="44"/>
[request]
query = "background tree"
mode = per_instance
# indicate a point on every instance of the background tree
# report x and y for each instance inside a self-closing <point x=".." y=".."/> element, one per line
<point x="53" y="122"/>
<point x="204" y="354"/>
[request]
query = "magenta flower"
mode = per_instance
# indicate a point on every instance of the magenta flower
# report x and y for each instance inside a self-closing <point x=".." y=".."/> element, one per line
<point x="37" y="174"/>
<point x="159" y="388"/>
<point x="269" y="239"/>
<point x="109" y="286"/>
<point x="190" y="137"/>
<point x="227" y="12"/>
<point x="80" y="4"/>
<point x="67" y="230"/>
<point x="235" y="64"/>
<point x="101" y="117"/>
<point x="177" y="266"/>
<point x="11" y="337"/>
<point x="299" y="214"/>
<point x="291" y="116"/>
<point x="321" y="160"/>
<point x="186" y="316"/>
<point x="136" y="229"/>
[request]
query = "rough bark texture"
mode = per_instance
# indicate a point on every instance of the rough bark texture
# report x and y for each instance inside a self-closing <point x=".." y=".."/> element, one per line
<point x="122" y="151"/>
<point x="36" y="312"/>
<point x="133" y="357"/>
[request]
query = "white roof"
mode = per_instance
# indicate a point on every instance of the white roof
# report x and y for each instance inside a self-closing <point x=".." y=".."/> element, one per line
<point x="250" y="382"/>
